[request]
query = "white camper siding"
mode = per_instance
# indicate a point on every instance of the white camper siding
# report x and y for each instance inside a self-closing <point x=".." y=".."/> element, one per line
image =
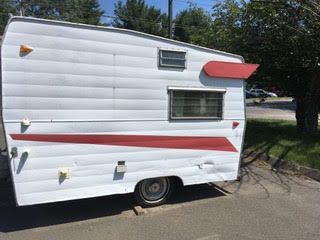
<point x="112" y="69"/>
<point x="90" y="80"/>
<point x="4" y="170"/>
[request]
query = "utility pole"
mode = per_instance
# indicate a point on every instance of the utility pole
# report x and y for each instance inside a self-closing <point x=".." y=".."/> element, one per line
<point x="170" y="18"/>
<point x="20" y="8"/>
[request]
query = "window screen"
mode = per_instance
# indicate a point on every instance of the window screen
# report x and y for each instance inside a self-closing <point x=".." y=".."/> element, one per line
<point x="171" y="58"/>
<point x="196" y="104"/>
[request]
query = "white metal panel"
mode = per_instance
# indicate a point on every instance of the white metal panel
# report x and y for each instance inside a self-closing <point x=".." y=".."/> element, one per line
<point x="88" y="80"/>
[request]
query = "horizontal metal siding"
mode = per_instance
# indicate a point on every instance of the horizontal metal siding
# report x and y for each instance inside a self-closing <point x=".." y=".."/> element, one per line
<point x="105" y="81"/>
<point x="70" y="57"/>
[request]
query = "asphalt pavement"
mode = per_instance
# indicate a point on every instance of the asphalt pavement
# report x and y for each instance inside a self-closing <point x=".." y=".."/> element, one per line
<point x="272" y="109"/>
<point x="265" y="204"/>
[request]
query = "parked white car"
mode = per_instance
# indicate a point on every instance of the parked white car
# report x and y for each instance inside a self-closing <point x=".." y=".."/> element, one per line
<point x="262" y="93"/>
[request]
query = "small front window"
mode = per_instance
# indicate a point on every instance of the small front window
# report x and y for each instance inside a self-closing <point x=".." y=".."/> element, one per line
<point x="172" y="59"/>
<point x="194" y="104"/>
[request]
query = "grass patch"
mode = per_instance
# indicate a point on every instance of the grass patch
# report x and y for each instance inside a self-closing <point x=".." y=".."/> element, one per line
<point x="281" y="139"/>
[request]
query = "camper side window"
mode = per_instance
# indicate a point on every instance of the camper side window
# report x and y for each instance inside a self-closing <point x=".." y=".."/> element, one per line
<point x="172" y="59"/>
<point x="189" y="104"/>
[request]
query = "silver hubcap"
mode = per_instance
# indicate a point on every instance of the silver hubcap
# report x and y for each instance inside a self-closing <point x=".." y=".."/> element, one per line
<point x="153" y="190"/>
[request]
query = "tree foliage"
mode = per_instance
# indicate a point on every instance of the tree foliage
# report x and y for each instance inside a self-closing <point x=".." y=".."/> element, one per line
<point x="287" y="46"/>
<point x="283" y="38"/>
<point x="137" y="15"/>
<point x="80" y="11"/>
<point x="227" y="32"/>
<point x="193" y="25"/>
<point x="6" y="7"/>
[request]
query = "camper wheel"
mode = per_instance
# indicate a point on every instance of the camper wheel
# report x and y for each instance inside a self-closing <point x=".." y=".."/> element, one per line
<point x="153" y="191"/>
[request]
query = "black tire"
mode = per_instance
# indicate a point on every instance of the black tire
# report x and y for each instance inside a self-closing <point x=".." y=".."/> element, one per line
<point x="153" y="191"/>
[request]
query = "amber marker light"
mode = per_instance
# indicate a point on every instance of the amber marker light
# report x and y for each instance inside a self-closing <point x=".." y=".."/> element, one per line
<point x="25" y="48"/>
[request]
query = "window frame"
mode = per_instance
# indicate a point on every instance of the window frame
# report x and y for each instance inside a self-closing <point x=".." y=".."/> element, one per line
<point x="168" y="66"/>
<point x="195" y="89"/>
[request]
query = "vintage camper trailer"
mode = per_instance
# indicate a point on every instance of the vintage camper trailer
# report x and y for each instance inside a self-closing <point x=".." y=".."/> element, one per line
<point x="91" y="111"/>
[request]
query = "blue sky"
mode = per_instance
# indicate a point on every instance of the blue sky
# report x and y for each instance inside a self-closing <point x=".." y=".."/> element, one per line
<point x="178" y="5"/>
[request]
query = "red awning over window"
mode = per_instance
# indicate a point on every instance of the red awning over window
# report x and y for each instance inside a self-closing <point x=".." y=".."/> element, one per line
<point x="229" y="69"/>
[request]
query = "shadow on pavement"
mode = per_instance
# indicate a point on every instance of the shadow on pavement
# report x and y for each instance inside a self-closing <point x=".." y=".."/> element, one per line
<point x="255" y="171"/>
<point x="194" y="193"/>
<point x="14" y="218"/>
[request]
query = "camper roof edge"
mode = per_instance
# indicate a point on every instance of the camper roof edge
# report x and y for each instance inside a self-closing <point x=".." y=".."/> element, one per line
<point x="32" y="19"/>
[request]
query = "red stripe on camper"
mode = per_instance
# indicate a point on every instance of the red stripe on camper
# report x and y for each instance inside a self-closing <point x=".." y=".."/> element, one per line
<point x="189" y="142"/>
<point x="229" y="70"/>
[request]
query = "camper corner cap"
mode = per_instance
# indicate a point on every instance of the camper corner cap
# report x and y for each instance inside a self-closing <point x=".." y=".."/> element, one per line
<point x="229" y="69"/>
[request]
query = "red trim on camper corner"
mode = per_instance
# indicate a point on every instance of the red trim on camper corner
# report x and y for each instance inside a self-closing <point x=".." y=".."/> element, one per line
<point x="229" y="69"/>
<point x="235" y="124"/>
<point x="179" y="142"/>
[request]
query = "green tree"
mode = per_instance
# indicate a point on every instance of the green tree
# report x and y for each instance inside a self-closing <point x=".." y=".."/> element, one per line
<point x="80" y="11"/>
<point x="283" y="38"/>
<point x="137" y="15"/>
<point x="6" y="7"/>
<point x="193" y="26"/>
<point x="227" y="26"/>
<point x="40" y="8"/>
